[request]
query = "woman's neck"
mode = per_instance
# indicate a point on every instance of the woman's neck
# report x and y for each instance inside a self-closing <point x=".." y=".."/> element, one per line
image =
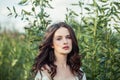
<point x="61" y="61"/>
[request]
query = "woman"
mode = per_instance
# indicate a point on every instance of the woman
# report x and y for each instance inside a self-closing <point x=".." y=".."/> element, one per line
<point x="59" y="57"/>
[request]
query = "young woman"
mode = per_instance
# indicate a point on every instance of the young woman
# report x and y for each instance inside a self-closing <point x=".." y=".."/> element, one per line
<point x="59" y="57"/>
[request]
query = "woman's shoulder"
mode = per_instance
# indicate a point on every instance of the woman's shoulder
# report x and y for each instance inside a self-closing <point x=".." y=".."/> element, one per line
<point x="43" y="74"/>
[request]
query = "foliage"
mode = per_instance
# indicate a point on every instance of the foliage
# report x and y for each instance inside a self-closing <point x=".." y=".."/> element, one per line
<point x="37" y="20"/>
<point x="99" y="43"/>
<point x="15" y="57"/>
<point x="97" y="29"/>
<point x="36" y="17"/>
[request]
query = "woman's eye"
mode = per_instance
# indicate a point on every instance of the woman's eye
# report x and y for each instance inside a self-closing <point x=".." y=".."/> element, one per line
<point x="59" y="38"/>
<point x="68" y="37"/>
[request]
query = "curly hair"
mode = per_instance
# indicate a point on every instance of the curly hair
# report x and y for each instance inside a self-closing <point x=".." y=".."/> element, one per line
<point x="47" y="56"/>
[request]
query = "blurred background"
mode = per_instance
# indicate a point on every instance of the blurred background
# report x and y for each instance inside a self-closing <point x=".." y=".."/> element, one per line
<point x="95" y="22"/>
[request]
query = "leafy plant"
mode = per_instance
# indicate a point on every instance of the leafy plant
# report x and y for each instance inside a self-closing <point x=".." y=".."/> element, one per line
<point x="15" y="61"/>
<point x="98" y="38"/>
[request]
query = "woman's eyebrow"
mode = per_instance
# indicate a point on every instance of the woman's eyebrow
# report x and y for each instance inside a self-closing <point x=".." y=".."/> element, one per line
<point x="58" y="36"/>
<point x="61" y="35"/>
<point x="68" y="35"/>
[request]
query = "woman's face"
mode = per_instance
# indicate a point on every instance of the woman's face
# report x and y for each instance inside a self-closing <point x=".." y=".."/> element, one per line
<point x="62" y="42"/>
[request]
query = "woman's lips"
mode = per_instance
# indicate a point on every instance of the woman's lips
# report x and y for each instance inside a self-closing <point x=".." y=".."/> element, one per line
<point x="66" y="47"/>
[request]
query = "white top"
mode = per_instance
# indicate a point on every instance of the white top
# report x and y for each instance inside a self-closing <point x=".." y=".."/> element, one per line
<point x="45" y="77"/>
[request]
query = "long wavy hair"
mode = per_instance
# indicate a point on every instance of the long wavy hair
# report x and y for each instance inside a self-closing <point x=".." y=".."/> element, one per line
<point x="46" y="55"/>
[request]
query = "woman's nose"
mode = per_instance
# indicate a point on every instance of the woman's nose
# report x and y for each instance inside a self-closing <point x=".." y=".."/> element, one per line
<point x="65" y="41"/>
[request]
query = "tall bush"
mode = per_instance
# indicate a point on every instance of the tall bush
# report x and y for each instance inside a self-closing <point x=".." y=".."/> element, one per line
<point x="98" y="31"/>
<point x="15" y="59"/>
<point x="36" y="17"/>
<point x="22" y="53"/>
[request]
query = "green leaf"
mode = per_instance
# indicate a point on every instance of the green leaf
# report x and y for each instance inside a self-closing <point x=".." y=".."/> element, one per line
<point x="26" y="12"/>
<point x="9" y="14"/>
<point x="75" y="13"/>
<point x="117" y="4"/>
<point x="14" y="62"/>
<point x="80" y="4"/>
<point x="22" y="2"/>
<point x="14" y="9"/>
<point x="16" y="15"/>
<point x="33" y="9"/>
<point x="9" y="9"/>
<point x="50" y="6"/>
<point x="117" y="16"/>
<point x="103" y="0"/>
<point x="87" y="8"/>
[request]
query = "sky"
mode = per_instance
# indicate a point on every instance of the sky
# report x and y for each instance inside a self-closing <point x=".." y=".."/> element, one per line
<point x="56" y="14"/>
<point x="9" y="22"/>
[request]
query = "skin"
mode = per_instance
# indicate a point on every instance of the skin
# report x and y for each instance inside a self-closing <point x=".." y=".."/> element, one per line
<point x="62" y="39"/>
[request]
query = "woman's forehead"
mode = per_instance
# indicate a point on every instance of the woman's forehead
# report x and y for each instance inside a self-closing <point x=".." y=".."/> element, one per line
<point x="62" y="31"/>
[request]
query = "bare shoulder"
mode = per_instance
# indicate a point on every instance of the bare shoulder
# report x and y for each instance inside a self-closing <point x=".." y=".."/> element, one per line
<point x="43" y="74"/>
<point x="46" y="70"/>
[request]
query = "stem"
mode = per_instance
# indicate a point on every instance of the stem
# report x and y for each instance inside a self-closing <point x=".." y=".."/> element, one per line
<point x="35" y="14"/>
<point x="94" y="36"/>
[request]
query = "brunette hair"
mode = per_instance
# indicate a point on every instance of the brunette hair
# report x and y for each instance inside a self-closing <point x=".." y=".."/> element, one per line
<point x="47" y="56"/>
